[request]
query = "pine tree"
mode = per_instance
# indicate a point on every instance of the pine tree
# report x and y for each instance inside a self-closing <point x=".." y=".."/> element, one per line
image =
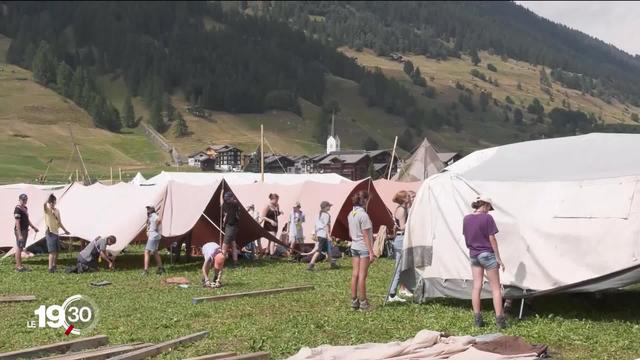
<point x="77" y="84"/>
<point x="44" y="65"/>
<point x="128" y="114"/>
<point x="408" y="67"/>
<point x="475" y="58"/>
<point x="156" y="117"/>
<point x="64" y="75"/>
<point x="518" y="117"/>
<point x="169" y="108"/>
<point x="29" y="53"/>
<point x="181" y="129"/>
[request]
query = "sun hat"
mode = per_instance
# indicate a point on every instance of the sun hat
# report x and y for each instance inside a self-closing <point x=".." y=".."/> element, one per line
<point x="485" y="199"/>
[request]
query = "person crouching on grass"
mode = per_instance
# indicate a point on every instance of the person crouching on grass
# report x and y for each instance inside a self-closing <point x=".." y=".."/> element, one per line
<point x="213" y="257"/>
<point x="53" y="222"/>
<point x="21" y="229"/>
<point x="480" y="231"/>
<point x="361" y="233"/>
<point x="88" y="257"/>
<point x="323" y="232"/>
<point x="153" y="241"/>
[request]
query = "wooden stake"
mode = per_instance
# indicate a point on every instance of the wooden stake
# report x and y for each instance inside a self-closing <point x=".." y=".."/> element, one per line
<point x="252" y="356"/>
<point x="160" y="348"/>
<point x="57" y="348"/>
<point x="111" y="175"/>
<point x="120" y="174"/>
<point x="198" y="300"/>
<point x="262" y="153"/>
<point x="77" y="175"/>
<point x="17" y="298"/>
<point x="393" y="155"/>
<point x="217" y="356"/>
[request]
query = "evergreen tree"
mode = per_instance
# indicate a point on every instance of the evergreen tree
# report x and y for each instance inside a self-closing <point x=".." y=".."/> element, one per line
<point x="169" y="108"/>
<point x="484" y="100"/>
<point x="155" y="119"/>
<point x="29" y="53"/>
<point x="44" y="65"/>
<point x="518" y="117"/>
<point x="370" y="144"/>
<point x="77" y="84"/>
<point x="408" y="67"/>
<point x="475" y="58"/>
<point x="181" y="129"/>
<point x="535" y="107"/>
<point x="64" y="76"/>
<point x="129" y="116"/>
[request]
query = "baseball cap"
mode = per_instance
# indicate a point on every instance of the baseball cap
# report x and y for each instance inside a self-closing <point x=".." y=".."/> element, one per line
<point x="325" y="204"/>
<point x="297" y="205"/>
<point x="151" y="208"/>
<point x="486" y="199"/>
<point x="22" y="197"/>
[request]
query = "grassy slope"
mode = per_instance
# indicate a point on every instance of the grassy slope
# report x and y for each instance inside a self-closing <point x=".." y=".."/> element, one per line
<point x="34" y="129"/>
<point x="573" y="327"/>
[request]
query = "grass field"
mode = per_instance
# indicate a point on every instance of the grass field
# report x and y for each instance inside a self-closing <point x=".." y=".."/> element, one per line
<point x="137" y="308"/>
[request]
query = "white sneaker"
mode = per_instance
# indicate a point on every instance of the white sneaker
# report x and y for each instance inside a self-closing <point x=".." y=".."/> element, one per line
<point x="395" y="299"/>
<point x="405" y="293"/>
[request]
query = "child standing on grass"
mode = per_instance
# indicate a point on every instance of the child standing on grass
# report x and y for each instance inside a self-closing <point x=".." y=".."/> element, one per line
<point x="54" y="224"/>
<point x="323" y="233"/>
<point x="361" y="233"/>
<point x="296" y="235"/>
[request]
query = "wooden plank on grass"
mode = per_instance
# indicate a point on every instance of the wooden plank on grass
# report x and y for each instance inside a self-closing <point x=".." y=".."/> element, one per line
<point x="252" y="356"/>
<point x="100" y="353"/>
<point x="198" y="300"/>
<point x="217" y="356"/>
<point x="160" y="348"/>
<point x="17" y="298"/>
<point x="57" y="348"/>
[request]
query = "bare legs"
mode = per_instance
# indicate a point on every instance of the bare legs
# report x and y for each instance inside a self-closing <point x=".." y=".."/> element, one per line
<point x="18" y="258"/>
<point x="494" y="280"/>
<point x="234" y="251"/>
<point x="53" y="260"/>
<point x="359" y="278"/>
<point x="147" y="258"/>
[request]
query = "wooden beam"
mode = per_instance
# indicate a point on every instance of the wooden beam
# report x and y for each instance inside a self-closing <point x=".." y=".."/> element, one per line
<point x="217" y="356"/>
<point x="160" y="348"/>
<point x="100" y="353"/>
<point x="198" y="300"/>
<point x="252" y="356"/>
<point x="17" y="298"/>
<point x="57" y="348"/>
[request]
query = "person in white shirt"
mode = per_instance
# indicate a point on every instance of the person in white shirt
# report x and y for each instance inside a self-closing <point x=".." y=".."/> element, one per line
<point x="154" y="236"/>
<point x="213" y="257"/>
<point x="323" y="233"/>
<point x="296" y="236"/>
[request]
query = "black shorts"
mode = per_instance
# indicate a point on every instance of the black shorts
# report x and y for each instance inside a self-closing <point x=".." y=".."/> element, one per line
<point x="21" y="244"/>
<point x="230" y="233"/>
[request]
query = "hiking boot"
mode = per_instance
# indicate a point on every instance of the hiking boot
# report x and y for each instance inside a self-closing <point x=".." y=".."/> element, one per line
<point x="355" y="304"/>
<point x="23" y="269"/>
<point x="310" y="267"/>
<point x="405" y="293"/>
<point x="160" y="271"/>
<point x="145" y="272"/>
<point x="479" y="322"/>
<point x="501" y="322"/>
<point x="395" y="298"/>
<point x="52" y="270"/>
<point x="334" y="266"/>
<point x="216" y="285"/>
<point x="364" y="305"/>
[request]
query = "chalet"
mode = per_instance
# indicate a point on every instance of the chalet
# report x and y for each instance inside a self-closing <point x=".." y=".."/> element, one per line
<point x="302" y="164"/>
<point x="449" y="158"/>
<point x="353" y="166"/>
<point x="197" y="158"/>
<point x="273" y="163"/>
<point x="209" y="164"/>
<point x="227" y="157"/>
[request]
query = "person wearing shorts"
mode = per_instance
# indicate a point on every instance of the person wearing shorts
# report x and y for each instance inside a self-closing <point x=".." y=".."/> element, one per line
<point x="21" y="229"/>
<point x="296" y="235"/>
<point x="154" y="236"/>
<point x="322" y="231"/>
<point x="54" y="224"/>
<point x="361" y="233"/>
<point x="88" y="257"/>
<point x="230" y="221"/>
<point x="480" y="231"/>
<point x="213" y="257"/>
<point x="400" y="216"/>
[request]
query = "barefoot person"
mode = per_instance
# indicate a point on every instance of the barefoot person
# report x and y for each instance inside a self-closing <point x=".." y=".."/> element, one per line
<point x="153" y="241"/>
<point x="361" y="233"/>
<point x="270" y="216"/>
<point x="88" y="257"/>
<point x="403" y="199"/>
<point x="21" y="229"/>
<point x="479" y="231"/>
<point x="53" y="222"/>
<point x="296" y="236"/>
<point x="213" y="257"/>
<point x="231" y="218"/>
<point x="323" y="233"/>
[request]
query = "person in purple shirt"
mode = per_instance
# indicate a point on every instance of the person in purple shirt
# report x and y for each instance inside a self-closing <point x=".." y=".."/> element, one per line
<point x="480" y="231"/>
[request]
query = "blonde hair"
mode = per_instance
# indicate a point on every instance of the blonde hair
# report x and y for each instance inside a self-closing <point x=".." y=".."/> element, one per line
<point x="401" y="197"/>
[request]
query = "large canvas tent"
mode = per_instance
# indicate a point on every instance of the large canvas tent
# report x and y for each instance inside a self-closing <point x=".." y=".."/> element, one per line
<point x="423" y="163"/>
<point x="568" y="211"/>
<point x="237" y="178"/>
<point x="387" y="189"/>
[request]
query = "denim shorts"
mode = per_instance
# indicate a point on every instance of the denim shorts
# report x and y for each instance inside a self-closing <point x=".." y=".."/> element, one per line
<point x="21" y="244"/>
<point x="486" y="260"/>
<point x="359" y="253"/>
<point x="53" y="242"/>
<point x="153" y="243"/>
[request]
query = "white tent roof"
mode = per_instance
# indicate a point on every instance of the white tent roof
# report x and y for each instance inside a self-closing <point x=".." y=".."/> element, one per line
<point x="138" y="179"/>
<point x="423" y="163"/>
<point x="204" y="178"/>
<point x="568" y="211"/>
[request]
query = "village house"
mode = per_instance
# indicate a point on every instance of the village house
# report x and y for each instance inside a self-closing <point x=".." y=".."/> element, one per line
<point x="197" y="158"/>
<point x="227" y="157"/>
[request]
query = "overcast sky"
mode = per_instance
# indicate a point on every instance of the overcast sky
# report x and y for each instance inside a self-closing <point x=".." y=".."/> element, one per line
<point x="614" y="22"/>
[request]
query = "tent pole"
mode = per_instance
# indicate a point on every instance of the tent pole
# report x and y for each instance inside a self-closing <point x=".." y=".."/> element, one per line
<point x="393" y="155"/>
<point x="521" y="309"/>
<point x="120" y="174"/>
<point x="111" y="175"/>
<point x="261" y="153"/>
<point x="213" y="223"/>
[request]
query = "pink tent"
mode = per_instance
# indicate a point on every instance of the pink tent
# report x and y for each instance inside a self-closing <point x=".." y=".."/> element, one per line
<point x="9" y="200"/>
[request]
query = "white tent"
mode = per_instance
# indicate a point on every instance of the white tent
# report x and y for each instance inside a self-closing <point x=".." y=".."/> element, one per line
<point x="568" y="211"/>
<point x="423" y="163"/>
<point x="138" y="179"/>
<point x="239" y="178"/>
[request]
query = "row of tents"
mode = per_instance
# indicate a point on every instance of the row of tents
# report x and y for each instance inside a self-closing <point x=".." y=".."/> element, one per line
<point x="190" y="206"/>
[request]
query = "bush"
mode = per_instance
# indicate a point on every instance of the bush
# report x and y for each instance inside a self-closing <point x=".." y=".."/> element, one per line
<point x="509" y="100"/>
<point x="467" y="101"/>
<point x="478" y="74"/>
<point x="430" y="92"/>
<point x="492" y="67"/>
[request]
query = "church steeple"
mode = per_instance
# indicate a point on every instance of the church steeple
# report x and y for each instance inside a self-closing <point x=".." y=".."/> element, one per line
<point x="333" y="141"/>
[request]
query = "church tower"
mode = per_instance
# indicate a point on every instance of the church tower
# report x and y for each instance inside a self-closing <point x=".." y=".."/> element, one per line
<point x="333" y="141"/>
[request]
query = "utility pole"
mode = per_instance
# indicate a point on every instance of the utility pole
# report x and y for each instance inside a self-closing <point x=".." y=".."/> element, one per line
<point x="75" y="145"/>
<point x="262" y="153"/>
<point x="393" y="155"/>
